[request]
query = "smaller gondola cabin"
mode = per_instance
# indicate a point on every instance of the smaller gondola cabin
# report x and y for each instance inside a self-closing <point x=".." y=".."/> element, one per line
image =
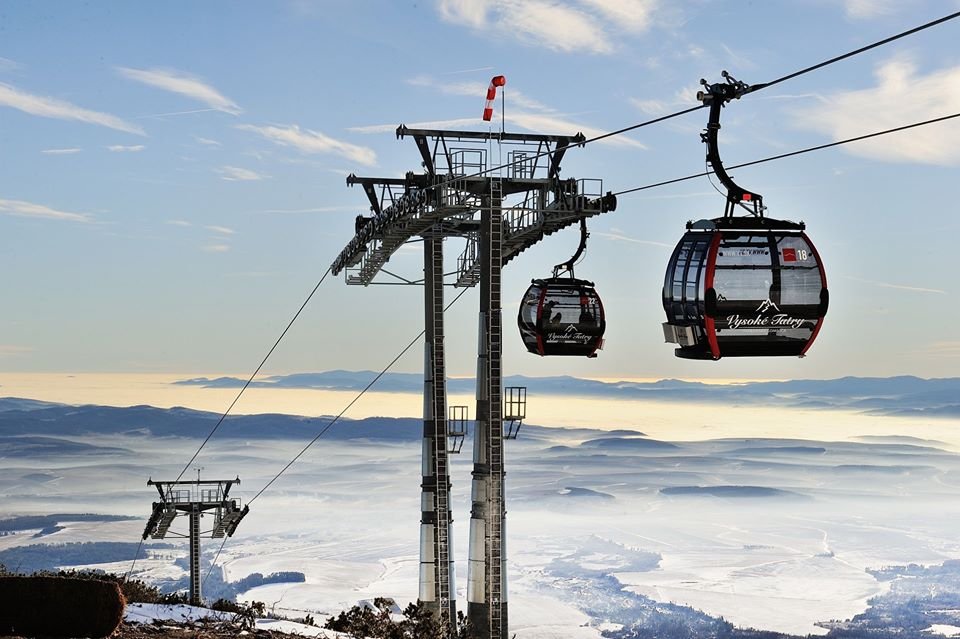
<point x="744" y="287"/>
<point x="562" y="316"/>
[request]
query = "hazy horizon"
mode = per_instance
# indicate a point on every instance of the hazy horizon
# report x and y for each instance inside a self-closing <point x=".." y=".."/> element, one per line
<point x="680" y="421"/>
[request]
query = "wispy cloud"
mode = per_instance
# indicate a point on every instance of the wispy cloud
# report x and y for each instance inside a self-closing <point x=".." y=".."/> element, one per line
<point x="47" y="107"/>
<point x="562" y="126"/>
<point x="207" y="141"/>
<point x="631" y="15"/>
<point x="183" y="84"/>
<point x="68" y="151"/>
<point x="119" y="148"/>
<point x="307" y="141"/>
<point x="555" y="26"/>
<point x="868" y="9"/>
<point x="12" y="350"/>
<point x="457" y="123"/>
<point x="737" y="59"/>
<point x="6" y="64"/>
<point x="169" y="114"/>
<point x="471" y="13"/>
<point x="562" y="26"/>
<point x="318" y="209"/>
<point x="222" y="230"/>
<point x="523" y="112"/>
<point x="466" y="71"/>
<point x="653" y="108"/>
<point x="478" y="91"/>
<point x="215" y="248"/>
<point x="19" y="208"/>
<point x="179" y="223"/>
<point x="789" y="96"/>
<point x="902" y="96"/>
<point x="618" y="236"/>
<point x="237" y="174"/>
<point x="943" y="349"/>
<point x="899" y="287"/>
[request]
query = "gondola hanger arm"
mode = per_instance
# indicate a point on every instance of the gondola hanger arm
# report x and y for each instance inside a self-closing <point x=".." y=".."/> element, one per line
<point x="715" y="96"/>
<point x="568" y="265"/>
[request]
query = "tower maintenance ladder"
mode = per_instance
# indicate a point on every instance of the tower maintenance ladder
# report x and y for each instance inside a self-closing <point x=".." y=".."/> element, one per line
<point x="495" y="442"/>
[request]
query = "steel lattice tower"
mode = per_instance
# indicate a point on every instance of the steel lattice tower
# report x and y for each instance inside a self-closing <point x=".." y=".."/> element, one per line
<point x="500" y="214"/>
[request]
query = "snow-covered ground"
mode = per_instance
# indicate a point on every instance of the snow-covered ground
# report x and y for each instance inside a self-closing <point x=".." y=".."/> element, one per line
<point x="149" y="613"/>
<point x="347" y="515"/>
<point x="159" y="613"/>
<point x="771" y="563"/>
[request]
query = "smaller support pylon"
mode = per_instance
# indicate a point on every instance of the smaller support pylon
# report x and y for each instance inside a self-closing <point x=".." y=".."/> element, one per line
<point x="191" y="499"/>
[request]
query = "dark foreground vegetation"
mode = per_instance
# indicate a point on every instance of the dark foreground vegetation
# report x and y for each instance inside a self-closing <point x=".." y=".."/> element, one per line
<point x="59" y="606"/>
<point x="380" y="621"/>
<point x="919" y="597"/>
<point x="94" y="600"/>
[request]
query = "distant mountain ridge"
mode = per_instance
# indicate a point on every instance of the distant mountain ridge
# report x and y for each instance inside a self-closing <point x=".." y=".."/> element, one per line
<point x="30" y="428"/>
<point x="902" y="395"/>
<point x="32" y="431"/>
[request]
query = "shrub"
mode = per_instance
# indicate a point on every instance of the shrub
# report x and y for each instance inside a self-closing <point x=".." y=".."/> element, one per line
<point x="59" y="606"/>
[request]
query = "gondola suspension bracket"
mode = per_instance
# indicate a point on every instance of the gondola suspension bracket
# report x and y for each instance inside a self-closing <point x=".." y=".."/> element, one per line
<point x="567" y="267"/>
<point x="716" y="96"/>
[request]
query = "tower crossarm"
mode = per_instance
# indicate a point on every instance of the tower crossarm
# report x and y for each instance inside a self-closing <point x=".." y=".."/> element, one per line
<point x="184" y="490"/>
<point x="529" y="222"/>
<point x="523" y="231"/>
<point x="409" y="213"/>
<point x="440" y="152"/>
<point x="447" y="197"/>
<point x="386" y="195"/>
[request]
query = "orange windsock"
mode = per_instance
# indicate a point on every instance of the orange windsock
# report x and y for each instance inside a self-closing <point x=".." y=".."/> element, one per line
<point x="497" y="81"/>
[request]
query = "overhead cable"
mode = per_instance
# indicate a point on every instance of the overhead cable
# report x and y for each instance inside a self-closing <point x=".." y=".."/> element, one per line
<point x="236" y="399"/>
<point x="752" y="89"/>
<point x="864" y="49"/>
<point x="792" y="153"/>
<point x="333" y="421"/>
<point x="352" y="402"/>
<point x="255" y="373"/>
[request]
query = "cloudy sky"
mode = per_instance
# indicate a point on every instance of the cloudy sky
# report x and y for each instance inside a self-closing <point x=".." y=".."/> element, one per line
<point x="172" y="176"/>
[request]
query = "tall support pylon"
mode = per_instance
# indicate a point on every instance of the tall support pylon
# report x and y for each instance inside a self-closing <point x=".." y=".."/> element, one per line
<point x="437" y="577"/>
<point x="195" y="596"/>
<point x="455" y="198"/>
<point x="487" y="588"/>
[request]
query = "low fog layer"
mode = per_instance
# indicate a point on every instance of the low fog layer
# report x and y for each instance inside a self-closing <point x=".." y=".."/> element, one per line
<point x="769" y="533"/>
